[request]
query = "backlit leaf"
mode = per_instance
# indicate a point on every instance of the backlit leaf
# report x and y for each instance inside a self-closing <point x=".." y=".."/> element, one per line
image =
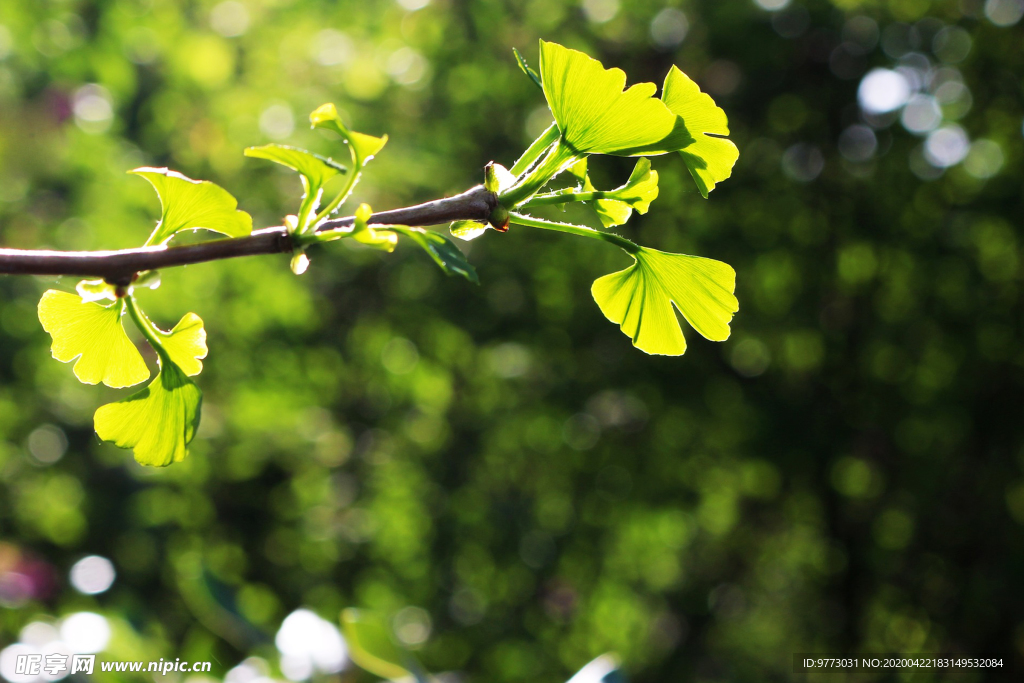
<point x="158" y="422"/>
<point x="371" y="645"/>
<point x="530" y="73"/>
<point x="609" y="211"/>
<point x="190" y="204"/>
<point x="497" y="178"/>
<point x="317" y="169"/>
<point x="579" y="169"/>
<point x="710" y="159"/>
<point x="365" y="147"/>
<point x="441" y="249"/>
<point x="595" y="116"/>
<point x="637" y="193"/>
<point x="363" y="233"/>
<point x="467" y="230"/>
<point x="314" y="170"/>
<point x="186" y="344"/>
<point x="94" y="335"/>
<point x="640" y="299"/>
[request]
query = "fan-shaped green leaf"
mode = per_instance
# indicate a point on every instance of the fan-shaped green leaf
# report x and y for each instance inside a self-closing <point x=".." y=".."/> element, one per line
<point x="593" y="113"/>
<point x="371" y="645"/>
<point x="365" y="147"/>
<point x="191" y="203"/>
<point x="441" y="249"/>
<point x="158" y="422"/>
<point x="186" y="344"/>
<point x="94" y="335"/>
<point x="615" y="207"/>
<point x="709" y="158"/>
<point x="640" y="299"/>
<point x="317" y="170"/>
<point x="610" y="211"/>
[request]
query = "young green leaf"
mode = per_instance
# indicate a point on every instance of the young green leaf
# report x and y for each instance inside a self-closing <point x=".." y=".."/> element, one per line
<point x="186" y="344"/>
<point x="595" y="116"/>
<point x="609" y="211"/>
<point x="299" y="263"/>
<point x="530" y="73"/>
<point x="158" y="422"/>
<point x="191" y="203"/>
<point x="371" y="645"/>
<point x="579" y="169"/>
<point x="710" y="157"/>
<point x="372" y="237"/>
<point x="441" y="249"/>
<point x="95" y="336"/>
<point x="315" y="168"/>
<point x="640" y="299"/>
<point x="467" y="230"/>
<point x="615" y="207"/>
<point x="497" y="178"/>
<point x="364" y="147"/>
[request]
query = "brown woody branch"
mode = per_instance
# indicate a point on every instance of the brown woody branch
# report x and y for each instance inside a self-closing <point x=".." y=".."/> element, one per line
<point x="120" y="266"/>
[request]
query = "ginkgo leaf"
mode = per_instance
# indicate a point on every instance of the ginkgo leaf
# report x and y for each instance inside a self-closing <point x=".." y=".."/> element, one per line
<point x="530" y="73"/>
<point x="191" y="203"/>
<point x="579" y="169"/>
<point x="595" y="116"/>
<point x="317" y="169"/>
<point x="314" y="170"/>
<point x="365" y="147"/>
<point x="640" y="189"/>
<point x="94" y="335"/>
<point x="158" y="422"/>
<point x="371" y="645"/>
<point x="640" y="299"/>
<point x="709" y="158"/>
<point x="441" y="249"/>
<point x="616" y="206"/>
<point x="610" y="211"/>
<point x="372" y="237"/>
<point x="186" y="344"/>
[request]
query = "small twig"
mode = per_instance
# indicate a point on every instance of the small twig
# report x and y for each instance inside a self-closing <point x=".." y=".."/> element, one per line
<point x="119" y="267"/>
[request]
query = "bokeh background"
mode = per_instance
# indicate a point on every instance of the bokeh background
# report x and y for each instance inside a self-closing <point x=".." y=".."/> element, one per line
<point x="495" y="468"/>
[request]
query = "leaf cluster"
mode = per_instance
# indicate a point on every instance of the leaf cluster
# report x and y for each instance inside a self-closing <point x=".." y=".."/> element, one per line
<point x="594" y="114"/>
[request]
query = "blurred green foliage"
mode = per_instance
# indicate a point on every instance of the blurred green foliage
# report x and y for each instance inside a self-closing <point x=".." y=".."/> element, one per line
<point x="845" y="473"/>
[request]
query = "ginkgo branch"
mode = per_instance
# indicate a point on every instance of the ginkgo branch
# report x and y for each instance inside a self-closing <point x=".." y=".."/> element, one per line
<point x="119" y="267"/>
